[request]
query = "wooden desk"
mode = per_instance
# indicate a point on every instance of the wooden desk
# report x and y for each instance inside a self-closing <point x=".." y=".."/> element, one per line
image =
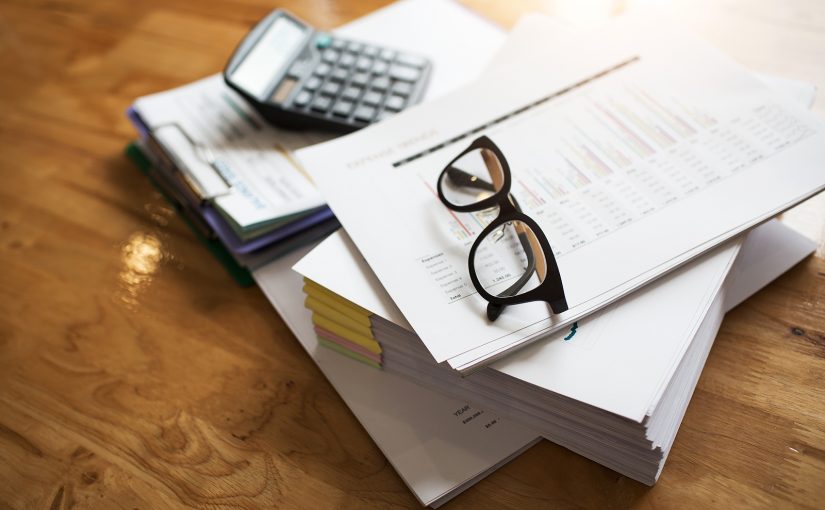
<point x="135" y="374"/>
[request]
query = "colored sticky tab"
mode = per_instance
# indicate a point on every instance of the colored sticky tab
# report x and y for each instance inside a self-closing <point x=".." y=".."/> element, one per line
<point x="346" y="344"/>
<point x="352" y="336"/>
<point x="348" y="353"/>
<point x="335" y="315"/>
<point x="316" y="290"/>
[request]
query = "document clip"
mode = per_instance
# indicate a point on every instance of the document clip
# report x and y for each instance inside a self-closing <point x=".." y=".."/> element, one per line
<point x="204" y="172"/>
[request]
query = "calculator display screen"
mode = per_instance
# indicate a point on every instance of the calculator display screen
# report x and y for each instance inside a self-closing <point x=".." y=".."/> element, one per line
<point x="268" y="56"/>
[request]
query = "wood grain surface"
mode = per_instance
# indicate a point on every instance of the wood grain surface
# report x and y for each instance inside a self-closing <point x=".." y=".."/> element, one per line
<point x="135" y="374"/>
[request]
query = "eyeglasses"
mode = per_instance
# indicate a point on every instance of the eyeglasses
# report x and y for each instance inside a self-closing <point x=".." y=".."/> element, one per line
<point x="511" y="261"/>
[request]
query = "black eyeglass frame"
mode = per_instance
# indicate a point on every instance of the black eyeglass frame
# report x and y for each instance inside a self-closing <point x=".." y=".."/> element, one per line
<point x="551" y="289"/>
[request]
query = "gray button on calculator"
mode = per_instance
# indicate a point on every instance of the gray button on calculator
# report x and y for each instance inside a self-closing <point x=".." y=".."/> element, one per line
<point x="404" y="73"/>
<point x="330" y="55"/>
<point x="364" y="64"/>
<point x="360" y="79"/>
<point x="339" y="74"/>
<point x="380" y="67"/>
<point x="351" y="93"/>
<point x="394" y="103"/>
<point x="330" y="88"/>
<point x="342" y="108"/>
<point x="402" y="88"/>
<point x="347" y="60"/>
<point x="302" y="99"/>
<point x="381" y="83"/>
<point x="372" y="98"/>
<point x="365" y="113"/>
<point x="321" y="103"/>
<point x="312" y="83"/>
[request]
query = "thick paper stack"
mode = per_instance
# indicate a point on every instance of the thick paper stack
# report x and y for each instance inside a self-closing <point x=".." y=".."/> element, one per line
<point x="635" y="149"/>
<point x="613" y="388"/>
<point x="613" y="385"/>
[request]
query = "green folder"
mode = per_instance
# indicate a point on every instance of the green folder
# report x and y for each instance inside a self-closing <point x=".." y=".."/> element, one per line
<point x="238" y="272"/>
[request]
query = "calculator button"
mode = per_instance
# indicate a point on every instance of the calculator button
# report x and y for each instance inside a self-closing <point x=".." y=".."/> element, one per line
<point x="331" y="88"/>
<point x="351" y="93"/>
<point x="338" y="44"/>
<point x="323" y="41"/>
<point x="372" y="98"/>
<point x="380" y="67"/>
<point x="321" y="104"/>
<point x="339" y="74"/>
<point x="302" y="99"/>
<point x="394" y="103"/>
<point x="355" y="46"/>
<point x="370" y="51"/>
<point x="381" y="83"/>
<point x="343" y="108"/>
<point x="323" y="69"/>
<point x="402" y="88"/>
<point x="365" y="113"/>
<point x="404" y="73"/>
<point x="330" y="55"/>
<point x="383" y="115"/>
<point x="364" y="64"/>
<point x="360" y="79"/>
<point x="313" y="83"/>
<point x="410" y="60"/>
<point x="347" y="60"/>
<point x="387" y="54"/>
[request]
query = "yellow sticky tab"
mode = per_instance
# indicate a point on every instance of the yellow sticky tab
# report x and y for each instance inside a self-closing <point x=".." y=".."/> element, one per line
<point x="345" y="333"/>
<point x="334" y="315"/>
<point x="333" y="303"/>
<point x="316" y="290"/>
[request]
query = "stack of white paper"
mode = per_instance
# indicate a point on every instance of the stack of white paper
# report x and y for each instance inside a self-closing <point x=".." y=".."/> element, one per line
<point x="615" y="387"/>
<point x="441" y="445"/>
<point x="636" y="150"/>
<point x="612" y="386"/>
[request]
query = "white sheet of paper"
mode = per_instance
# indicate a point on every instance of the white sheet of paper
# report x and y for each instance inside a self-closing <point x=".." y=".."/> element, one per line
<point x="692" y="150"/>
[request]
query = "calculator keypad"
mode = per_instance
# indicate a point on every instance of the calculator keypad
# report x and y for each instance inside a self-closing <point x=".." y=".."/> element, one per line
<point x="359" y="83"/>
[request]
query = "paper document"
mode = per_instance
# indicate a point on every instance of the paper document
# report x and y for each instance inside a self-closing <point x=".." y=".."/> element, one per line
<point x="635" y="152"/>
<point x="229" y="155"/>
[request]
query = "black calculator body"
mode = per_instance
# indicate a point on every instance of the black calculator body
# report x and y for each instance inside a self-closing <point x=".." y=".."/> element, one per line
<point x="298" y="77"/>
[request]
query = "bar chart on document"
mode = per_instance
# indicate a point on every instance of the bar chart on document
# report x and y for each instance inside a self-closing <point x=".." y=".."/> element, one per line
<point x="602" y="154"/>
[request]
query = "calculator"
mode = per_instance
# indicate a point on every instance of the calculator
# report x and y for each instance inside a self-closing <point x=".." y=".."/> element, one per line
<point x="299" y="77"/>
